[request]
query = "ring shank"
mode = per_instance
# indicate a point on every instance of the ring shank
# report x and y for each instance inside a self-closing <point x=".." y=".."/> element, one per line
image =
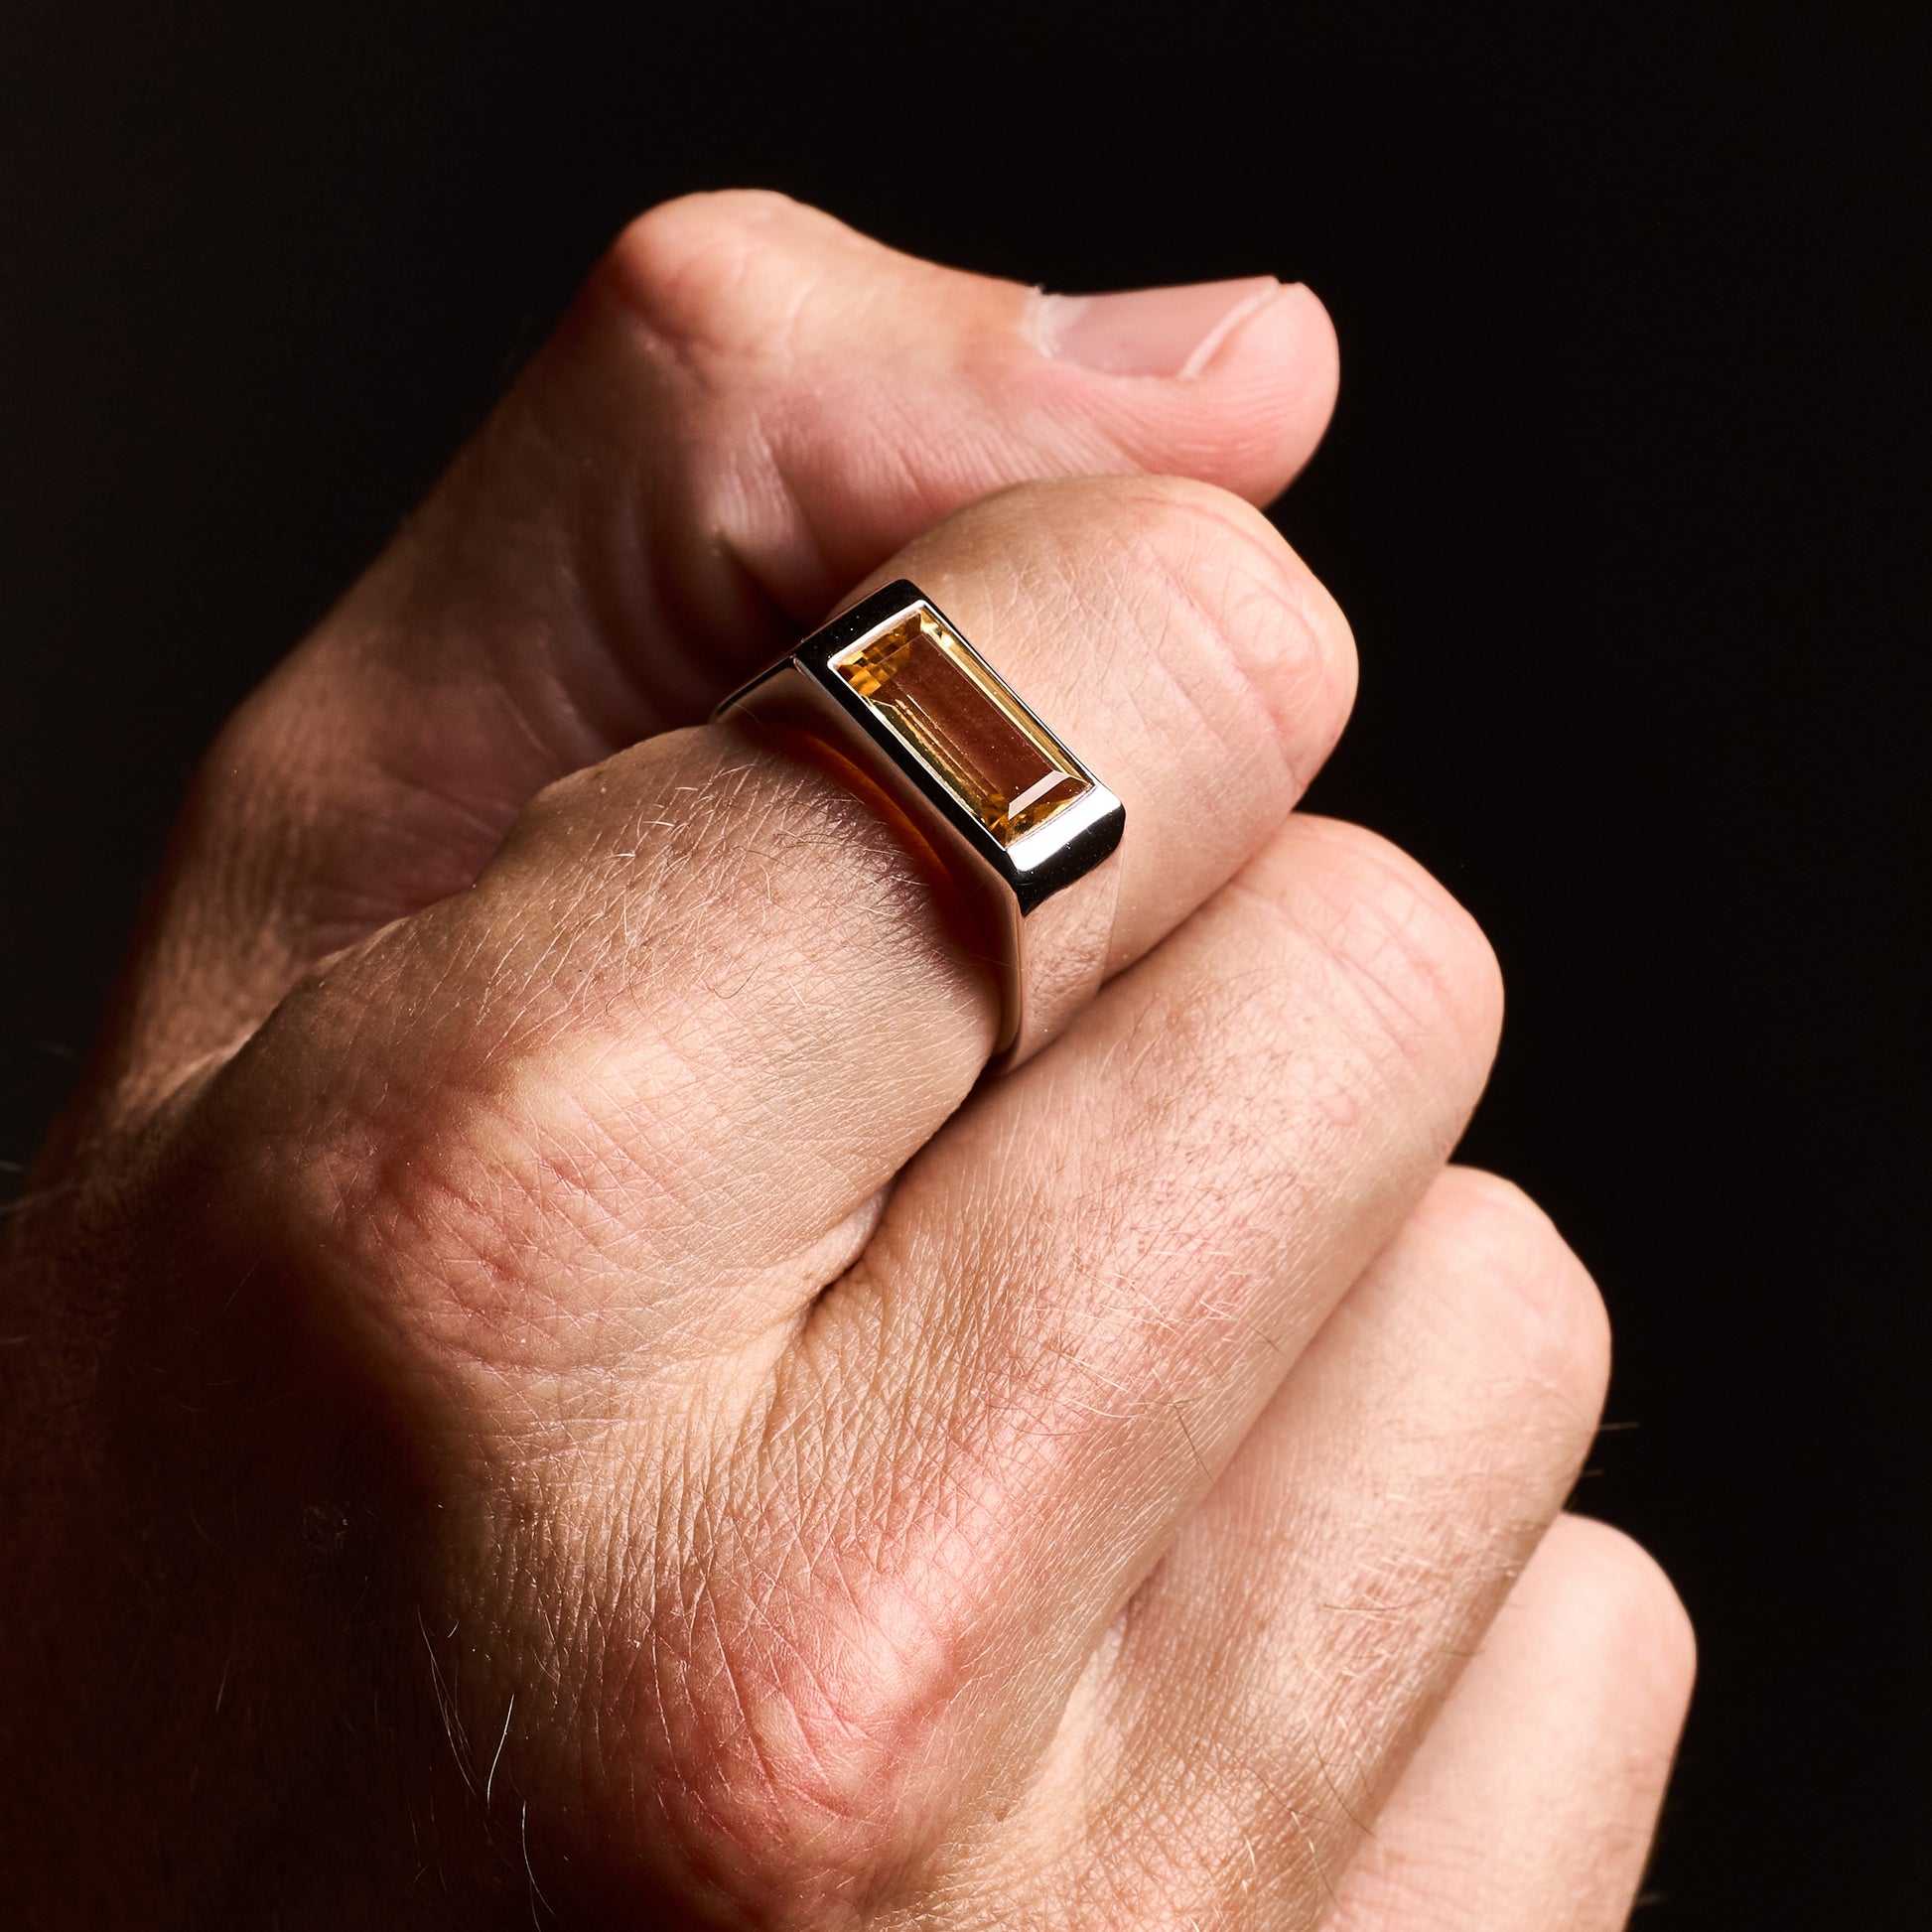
<point x="1043" y="901"/>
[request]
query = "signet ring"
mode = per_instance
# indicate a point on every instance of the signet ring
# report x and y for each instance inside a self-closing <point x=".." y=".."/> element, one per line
<point x="1025" y="831"/>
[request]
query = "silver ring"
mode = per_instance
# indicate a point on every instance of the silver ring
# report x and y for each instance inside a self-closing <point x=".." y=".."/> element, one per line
<point x="1026" y="832"/>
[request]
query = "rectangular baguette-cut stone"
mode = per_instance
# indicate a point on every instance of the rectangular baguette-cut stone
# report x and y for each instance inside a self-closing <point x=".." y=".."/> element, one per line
<point x="940" y="701"/>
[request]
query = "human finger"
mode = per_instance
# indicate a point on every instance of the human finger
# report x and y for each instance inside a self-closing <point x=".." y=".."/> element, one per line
<point x="1280" y="1667"/>
<point x="748" y="408"/>
<point x="1533" y="1798"/>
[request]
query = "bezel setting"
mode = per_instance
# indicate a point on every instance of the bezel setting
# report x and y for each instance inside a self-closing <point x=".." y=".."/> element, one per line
<point x="1010" y="881"/>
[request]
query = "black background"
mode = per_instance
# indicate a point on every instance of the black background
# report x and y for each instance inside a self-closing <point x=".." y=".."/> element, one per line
<point x="1625" y="498"/>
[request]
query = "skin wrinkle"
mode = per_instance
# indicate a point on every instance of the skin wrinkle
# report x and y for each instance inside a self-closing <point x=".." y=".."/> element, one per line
<point x="1181" y="589"/>
<point x="769" y="495"/>
<point x="1387" y="940"/>
<point x="341" y="906"/>
<point x="891" y="460"/>
<point x="556" y="735"/>
<point x="715" y="369"/>
<point x="1220" y="1813"/>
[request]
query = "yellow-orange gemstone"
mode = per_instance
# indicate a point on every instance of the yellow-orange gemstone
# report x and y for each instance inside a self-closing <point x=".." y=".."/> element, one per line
<point x="963" y="722"/>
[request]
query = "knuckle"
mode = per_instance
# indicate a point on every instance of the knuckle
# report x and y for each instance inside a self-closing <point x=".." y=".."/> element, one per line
<point x="1205" y="572"/>
<point x="259" y="760"/>
<point x="1622" y="1604"/>
<point x="1213" y="641"/>
<point x="704" y="271"/>
<point x="796" y="1724"/>
<point x="555" y="817"/>
<point x="1191" y="602"/>
<point x="1523" y="1290"/>
<point x="409" y="1176"/>
<point x="1418" y="976"/>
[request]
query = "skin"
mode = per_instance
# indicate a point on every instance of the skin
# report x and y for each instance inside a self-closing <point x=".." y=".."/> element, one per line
<point x="540" y="1388"/>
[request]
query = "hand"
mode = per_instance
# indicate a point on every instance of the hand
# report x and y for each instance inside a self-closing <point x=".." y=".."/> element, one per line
<point x="536" y="1387"/>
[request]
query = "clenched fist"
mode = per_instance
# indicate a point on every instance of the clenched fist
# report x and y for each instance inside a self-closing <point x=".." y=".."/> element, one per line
<point x="541" y="1385"/>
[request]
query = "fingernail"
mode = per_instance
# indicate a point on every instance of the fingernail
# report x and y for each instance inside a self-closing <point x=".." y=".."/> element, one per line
<point x="1149" y="332"/>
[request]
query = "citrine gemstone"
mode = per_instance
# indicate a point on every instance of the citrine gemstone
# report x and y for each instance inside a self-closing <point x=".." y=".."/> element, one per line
<point x="948" y="708"/>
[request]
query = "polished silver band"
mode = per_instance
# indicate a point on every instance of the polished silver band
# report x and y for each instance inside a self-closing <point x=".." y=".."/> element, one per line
<point x="1027" y="833"/>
